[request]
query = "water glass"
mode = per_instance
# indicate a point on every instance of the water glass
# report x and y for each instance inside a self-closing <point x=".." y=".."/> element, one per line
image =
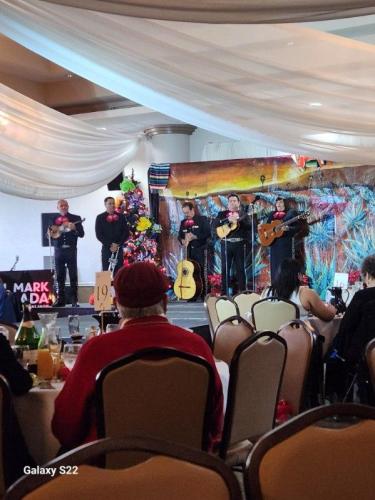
<point x="70" y="354"/>
<point x="73" y="324"/>
<point x="112" y="327"/>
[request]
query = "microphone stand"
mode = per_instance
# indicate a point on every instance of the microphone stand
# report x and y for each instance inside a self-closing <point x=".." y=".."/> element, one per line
<point x="250" y="212"/>
<point x="13" y="268"/>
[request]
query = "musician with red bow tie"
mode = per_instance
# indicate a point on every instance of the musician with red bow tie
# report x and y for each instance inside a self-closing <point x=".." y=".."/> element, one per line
<point x="65" y="229"/>
<point x="195" y="233"/>
<point x="284" y="246"/>
<point x="112" y="230"/>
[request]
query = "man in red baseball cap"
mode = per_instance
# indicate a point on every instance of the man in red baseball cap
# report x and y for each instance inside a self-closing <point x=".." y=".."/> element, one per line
<point x="142" y="303"/>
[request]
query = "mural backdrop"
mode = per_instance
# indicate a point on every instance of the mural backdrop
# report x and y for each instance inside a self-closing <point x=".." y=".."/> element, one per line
<point x="340" y="199"/>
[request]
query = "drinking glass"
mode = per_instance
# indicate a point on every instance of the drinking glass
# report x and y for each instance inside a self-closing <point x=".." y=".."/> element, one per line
<point x="73" y="324"/>
<point x="54" y="345"/>
<point x="22" y="354"/>
<point x="112" y="327"/>
<point x="70" y="354"/>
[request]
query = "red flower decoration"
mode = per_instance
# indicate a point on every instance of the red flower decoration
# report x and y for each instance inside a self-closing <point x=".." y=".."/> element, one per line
<point x="112" y="218"/>
<point x="188" y="223"/>
<point x="61" y="220"/>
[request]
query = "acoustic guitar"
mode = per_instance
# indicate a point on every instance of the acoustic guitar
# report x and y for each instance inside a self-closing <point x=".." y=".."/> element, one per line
<point x="225" y="229"/>
<point x="56" y="231"/>
<point x="269" y="232"/>
<point x="188" y="284"/>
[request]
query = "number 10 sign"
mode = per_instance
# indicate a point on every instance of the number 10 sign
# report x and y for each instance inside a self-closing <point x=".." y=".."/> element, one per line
<point x="103" y="296"/>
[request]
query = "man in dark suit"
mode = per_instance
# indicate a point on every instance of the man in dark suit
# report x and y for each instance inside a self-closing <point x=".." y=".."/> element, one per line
<point x="195" y="234"/>
<point x="65" y="229"/>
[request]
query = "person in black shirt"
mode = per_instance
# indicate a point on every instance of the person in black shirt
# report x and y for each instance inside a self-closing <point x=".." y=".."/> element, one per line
<point x="195" y="234"/>
<point x="65" y="229"/>
<point x="112" y="231"/>
<point x="235" y="246"/>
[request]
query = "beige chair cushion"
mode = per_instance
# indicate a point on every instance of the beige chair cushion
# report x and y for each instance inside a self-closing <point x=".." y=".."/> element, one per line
<point x="321" y="463"/>
<point x="271" y="315"/>
<point x="228" y="337"/>
<point x="159" y="478"/>
<point x="244" y="302"/>
<point x="225" y="308"/>
<point x="209" y="303"/>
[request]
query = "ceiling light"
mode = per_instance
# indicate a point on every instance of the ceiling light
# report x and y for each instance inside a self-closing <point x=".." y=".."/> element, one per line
<point x="315" y="104"/>
<point x="69" y="75"/>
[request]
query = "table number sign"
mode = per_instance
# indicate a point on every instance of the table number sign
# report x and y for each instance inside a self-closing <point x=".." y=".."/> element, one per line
<point x="103" y="296"/>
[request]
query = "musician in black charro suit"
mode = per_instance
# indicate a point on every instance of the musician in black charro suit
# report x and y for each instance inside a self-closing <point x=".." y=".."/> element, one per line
<point x="236" y="246"/>
<point x="195" y="233"/>
<point x="68" y="229"/>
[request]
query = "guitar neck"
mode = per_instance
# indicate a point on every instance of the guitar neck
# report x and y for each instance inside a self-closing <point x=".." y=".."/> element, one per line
<point x="290" y="221"/>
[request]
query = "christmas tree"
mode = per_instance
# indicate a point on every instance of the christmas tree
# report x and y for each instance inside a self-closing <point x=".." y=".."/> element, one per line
<point x="142" y="242"/>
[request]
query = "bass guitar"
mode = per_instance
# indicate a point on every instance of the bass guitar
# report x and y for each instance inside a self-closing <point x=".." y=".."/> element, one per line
<point x="56" y="231"/>
<point x="188" y="284"/>
<point x="269" y="232"/>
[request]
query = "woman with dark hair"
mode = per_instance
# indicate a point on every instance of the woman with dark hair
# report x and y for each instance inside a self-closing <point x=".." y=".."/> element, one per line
<point x="283" y="246"/>
<point x="357" y="328"/>
<point x="287" y="286"/>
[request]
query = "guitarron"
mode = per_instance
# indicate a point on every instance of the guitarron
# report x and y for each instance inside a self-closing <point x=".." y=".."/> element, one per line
<point x="269" y="232"/>
<point x="188" y="284"/>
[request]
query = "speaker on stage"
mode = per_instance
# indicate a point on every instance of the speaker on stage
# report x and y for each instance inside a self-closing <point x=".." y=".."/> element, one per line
<point x="114" y="185"/>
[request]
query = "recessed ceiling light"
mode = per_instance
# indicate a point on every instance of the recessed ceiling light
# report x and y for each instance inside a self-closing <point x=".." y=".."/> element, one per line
<point x="69" y="75"/>
<point x="290" y="44"/>
<point x="315" y="104"/>
<point x="102" y="128"/>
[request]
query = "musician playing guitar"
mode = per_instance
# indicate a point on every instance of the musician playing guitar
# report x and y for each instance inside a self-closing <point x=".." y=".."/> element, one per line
<point x="195" y="234"/>
<point x="283" y="246"/>
<point x="64" y="230"/>
<point x="233" y="226"/>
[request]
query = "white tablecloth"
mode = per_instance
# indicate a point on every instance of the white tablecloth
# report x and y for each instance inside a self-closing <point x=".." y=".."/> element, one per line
<point x="35" y="411"/>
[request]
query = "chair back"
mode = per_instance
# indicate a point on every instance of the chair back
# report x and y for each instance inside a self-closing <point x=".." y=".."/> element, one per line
<point x="272" y="312"/>
<point x="255" y="375"/>
<point x="173" y="471"/>
<point x="12" y="330"/>
<point x="213" y="320"/>
<point x="309" y="457"/>
<point x="229" y="334"/>
<point x="226" y="308"/>
<point x="5" y="404"/>
<point x="245" y="301"/>
<point x="300" y="344"/>
<point x="370" y="360"/>
<point x="158" y="392"/>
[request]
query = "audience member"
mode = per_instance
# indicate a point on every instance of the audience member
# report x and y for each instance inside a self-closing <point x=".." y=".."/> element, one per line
<point x="357" y="328"/>
<point x="142" y="302"/>
<point x="286" y="285"/>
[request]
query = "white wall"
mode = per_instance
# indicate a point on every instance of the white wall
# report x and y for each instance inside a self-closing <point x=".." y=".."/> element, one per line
<point x="20" y="226"/>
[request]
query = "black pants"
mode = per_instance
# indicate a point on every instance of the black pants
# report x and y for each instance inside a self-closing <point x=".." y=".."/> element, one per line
<point x="236" y="253"/>
<point x="66" y="258"/>
<point x="199" y="254"/>
<point x="106" y="255"/>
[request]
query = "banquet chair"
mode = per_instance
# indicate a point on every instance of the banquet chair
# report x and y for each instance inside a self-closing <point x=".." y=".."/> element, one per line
<point x="229" y="334"/>
<point x="168" y="471"/>
<point x="12" y="330"/>
<point x="244" y="301"/>
<point x="370" y="360"/>
<point x="158" y="392"/>
<point x="225" y="308"/>
<point x="300" y="342"/>
<point x="324" y="453"/>
<point x="5" y="405"/>
<point x="255" y="376"/>
<point x="213" y="320"/>
<point x="272" y="312"/>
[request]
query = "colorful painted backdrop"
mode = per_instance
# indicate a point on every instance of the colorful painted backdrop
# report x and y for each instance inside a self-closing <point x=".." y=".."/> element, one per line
<point x="340" y="199"/>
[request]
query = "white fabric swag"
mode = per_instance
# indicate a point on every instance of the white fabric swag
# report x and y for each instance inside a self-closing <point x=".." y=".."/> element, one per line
<point x="47" y="155"/>
<point x="284" y="86"/>
<point x="229" y="11"/>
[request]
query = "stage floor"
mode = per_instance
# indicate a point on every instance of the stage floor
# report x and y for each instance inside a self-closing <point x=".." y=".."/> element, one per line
<point x="185" y="314"/>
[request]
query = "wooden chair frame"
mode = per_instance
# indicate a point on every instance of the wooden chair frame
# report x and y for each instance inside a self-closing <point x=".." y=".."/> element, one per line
<point x="88" y="452"/>
<point x="296" y="424"/>
<point x="154" y="353"/>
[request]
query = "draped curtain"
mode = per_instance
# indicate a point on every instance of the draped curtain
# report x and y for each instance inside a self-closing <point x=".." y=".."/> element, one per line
<point x="229" y="11"/>
<point x="47" y="155"/>
<point x="284" y="86"/>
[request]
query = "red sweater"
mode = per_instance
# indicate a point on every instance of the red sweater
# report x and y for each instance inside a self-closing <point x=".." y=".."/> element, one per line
<point x="74" y="420"/>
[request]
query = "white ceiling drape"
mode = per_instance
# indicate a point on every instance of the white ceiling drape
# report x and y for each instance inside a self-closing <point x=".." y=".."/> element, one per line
<point x="47" y="155"/>
<point x="229" y="11"/>
<point x="285" y="86"/>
